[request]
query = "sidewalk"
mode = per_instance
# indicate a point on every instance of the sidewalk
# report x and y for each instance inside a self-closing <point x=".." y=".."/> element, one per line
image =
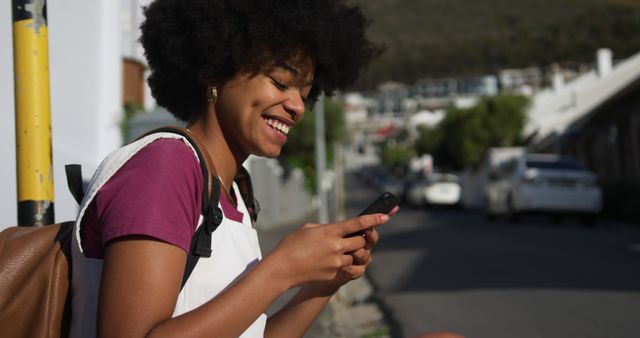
<point x="351" y="313"/>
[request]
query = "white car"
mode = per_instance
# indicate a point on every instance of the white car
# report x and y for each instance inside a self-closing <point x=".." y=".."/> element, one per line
<point x="543" y="183"/>
<point x="435" y="189"/>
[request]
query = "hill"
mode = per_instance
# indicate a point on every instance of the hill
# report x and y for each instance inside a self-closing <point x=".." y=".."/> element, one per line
<point x="430" y="38"/>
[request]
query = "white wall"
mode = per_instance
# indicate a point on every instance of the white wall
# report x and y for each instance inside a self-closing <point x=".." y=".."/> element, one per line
<point x="8" y="213"/>
<point x="282" y="202"/>
<point x="86" y="94"/>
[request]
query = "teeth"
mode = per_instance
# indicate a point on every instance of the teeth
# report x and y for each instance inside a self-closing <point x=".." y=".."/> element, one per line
<point x="277" y="125"/>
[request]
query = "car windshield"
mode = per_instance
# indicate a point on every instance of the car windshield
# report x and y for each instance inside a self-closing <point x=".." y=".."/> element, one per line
<point x="561" y="164"/>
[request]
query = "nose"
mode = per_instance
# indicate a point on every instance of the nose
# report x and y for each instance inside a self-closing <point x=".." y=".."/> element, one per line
<point x="294" y="105"/>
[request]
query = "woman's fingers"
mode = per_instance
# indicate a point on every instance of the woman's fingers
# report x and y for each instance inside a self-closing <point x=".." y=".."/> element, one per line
<point x="315" y="249"/>
<point x="359" y="223"/>
<point x="355" y="271"/>
<point x="361" y="257"/>
<point x="351" y="244"/>
<point x="394" y="210"/>
<point x="372" y="236"/>
<point x="347" y="260"/>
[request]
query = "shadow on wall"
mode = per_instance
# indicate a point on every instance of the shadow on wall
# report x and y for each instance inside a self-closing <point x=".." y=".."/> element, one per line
<point x="621" y="201"/>
<point x="283" y="201"/>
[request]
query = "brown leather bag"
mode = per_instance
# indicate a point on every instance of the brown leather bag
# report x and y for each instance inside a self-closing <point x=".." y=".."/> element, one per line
<point x="35" y="275"/>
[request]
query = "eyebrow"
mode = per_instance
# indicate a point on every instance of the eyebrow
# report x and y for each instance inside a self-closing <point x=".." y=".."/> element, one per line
<point x="293" y="70"/>
<point x="290" y="68"/>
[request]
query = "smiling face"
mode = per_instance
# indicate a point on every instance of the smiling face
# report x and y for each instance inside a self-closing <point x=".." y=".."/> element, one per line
<point x="256" y="111"/>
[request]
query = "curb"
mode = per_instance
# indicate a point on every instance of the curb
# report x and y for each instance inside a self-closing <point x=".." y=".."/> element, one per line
<point x="353" y="313"/>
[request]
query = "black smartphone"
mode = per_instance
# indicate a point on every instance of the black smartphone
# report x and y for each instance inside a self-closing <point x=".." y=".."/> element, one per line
<point x="383" y="205"/>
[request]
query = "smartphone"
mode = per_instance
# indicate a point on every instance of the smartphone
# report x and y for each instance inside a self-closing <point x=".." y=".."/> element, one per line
<point x="383" y="205"/>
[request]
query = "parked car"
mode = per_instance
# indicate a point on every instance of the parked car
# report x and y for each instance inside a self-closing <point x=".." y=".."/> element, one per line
<point x="543" y="183"/>
<point x="435" y="189"/>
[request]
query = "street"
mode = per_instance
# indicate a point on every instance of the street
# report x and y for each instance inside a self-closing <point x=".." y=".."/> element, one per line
<point x="450" y="269"/>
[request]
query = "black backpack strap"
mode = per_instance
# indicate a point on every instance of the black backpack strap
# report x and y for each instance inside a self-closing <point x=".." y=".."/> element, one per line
<point x="243" y="180"/>
<point x="74" y="181"/>
<point x="212" y="215"/>
<point x="201" y="240"/>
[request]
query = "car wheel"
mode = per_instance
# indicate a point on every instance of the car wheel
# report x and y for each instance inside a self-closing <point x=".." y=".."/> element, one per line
<point x="588" y="221"/>
<point x="514" y="216"/>
<point x="490" y="216"/>
<point x="556" y="219"/>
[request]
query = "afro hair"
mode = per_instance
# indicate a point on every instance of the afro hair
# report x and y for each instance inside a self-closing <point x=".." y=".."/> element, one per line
<point x="192" y="44"/>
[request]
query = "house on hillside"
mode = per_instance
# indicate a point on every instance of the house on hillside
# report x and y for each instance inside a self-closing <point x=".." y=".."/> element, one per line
<point x="524" y="81"/>
<point x="596" y="118"/>
<point x="463" y="92"/>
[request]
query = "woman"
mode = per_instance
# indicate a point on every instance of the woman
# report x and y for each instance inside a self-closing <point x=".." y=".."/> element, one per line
<point x="239" y="72"/>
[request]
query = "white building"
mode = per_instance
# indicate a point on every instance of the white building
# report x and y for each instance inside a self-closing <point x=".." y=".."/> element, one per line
<point x="87" y="43"/>
<point x="553" y="110"/>
<point x="524" y="81"/>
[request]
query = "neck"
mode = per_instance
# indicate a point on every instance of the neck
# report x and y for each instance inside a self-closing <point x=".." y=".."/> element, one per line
<point x="225" y="158"/>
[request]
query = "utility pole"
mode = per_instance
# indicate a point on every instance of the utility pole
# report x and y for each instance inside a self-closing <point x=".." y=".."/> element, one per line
<point x="338" y="169"/>
<point x="321" y="159"/>
<point x="32" y="112"/>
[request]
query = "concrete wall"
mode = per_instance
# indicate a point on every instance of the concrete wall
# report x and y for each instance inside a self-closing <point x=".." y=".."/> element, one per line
<point x="85" y="64"/>
<point x="282" y="200"/>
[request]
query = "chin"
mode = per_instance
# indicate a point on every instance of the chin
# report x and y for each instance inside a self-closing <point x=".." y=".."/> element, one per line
<point x="269" y="153"/>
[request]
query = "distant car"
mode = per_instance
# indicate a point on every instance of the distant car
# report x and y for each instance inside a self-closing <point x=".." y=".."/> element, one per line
<point x="435" y="189"/>
<point x="543" y="183"/>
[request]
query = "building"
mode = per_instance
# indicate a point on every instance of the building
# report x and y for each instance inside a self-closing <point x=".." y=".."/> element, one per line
<point x="524" y="81"/>
<point x="391" y="96"/>
<point x="440" y="93"/>
<point x="596" y="118"/>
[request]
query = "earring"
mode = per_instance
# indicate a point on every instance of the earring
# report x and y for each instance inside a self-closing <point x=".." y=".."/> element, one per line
<point x="212" y="94"/>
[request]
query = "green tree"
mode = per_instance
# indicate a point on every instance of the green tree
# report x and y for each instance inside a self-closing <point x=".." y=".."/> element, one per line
<point x="466" y="134"/>
<point x="464" y="139"/>
<point x="396" y="157"/>
<point x="429" y="140"/>
<point x="299" y="151"/>
<point x="425" y="38"/>
<point x="131" y="110"/>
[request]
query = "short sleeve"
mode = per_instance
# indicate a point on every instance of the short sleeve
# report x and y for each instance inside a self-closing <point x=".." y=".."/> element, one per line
<point x="157" y="193"/>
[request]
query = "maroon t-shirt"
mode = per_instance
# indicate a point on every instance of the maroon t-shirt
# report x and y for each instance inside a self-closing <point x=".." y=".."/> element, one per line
<point x="156" y="193"/>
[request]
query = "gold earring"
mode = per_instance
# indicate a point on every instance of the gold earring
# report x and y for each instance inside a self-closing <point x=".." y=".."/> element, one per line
<point x="212" y="94"/>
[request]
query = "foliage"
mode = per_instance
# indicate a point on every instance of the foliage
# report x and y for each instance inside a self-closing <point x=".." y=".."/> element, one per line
<point x="432" y="38"/>
<point x="299" y="151"/>
<point x="429" y="140"/>
<point x="464" y="135"/>
<point x="396" y="157"/>
<point x="382" y="331"/>
<point x="131" y="110"/>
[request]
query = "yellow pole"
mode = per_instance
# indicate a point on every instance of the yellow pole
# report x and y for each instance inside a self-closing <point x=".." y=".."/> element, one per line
<point x="33" y="113"/>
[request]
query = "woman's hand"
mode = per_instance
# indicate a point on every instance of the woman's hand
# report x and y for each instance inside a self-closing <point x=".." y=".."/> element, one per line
<point x="361" y="258"/>
<point x="312" y="252"/>
<point x="324" y="254"/>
